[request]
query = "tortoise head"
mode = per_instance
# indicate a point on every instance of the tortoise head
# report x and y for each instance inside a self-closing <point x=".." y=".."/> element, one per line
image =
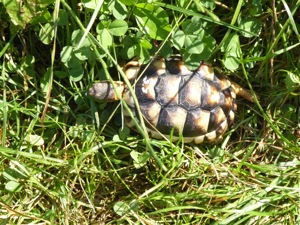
<point x="105" y="91"/>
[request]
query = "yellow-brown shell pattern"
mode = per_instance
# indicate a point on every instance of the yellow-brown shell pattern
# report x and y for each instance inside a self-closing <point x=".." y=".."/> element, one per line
<point x="198" y="104"/>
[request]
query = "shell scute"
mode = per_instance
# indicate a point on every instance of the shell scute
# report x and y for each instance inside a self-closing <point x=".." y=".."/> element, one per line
<point x="190" y="92"/>
<point x="144" y="89"/>
<point x="210" y="96"/>
<point x="171" y="119"/>
<point x="211" y="136"/>
<point x="217" y="117"/>
<point x="196" y="123"/>
<point x="206" y="72"/>
<point x="222" y="128"/>
<point x="221" y="83"/>
<point x="176" y="66"/>
<point x="151" y="111"/>
<point x="167" y="89"/>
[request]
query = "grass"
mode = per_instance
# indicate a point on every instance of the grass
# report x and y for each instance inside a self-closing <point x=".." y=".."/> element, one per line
<point x="66" y="159"/>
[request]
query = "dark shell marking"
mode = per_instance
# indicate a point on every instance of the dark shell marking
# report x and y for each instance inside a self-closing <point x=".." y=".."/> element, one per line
<point x="200" y="104"/>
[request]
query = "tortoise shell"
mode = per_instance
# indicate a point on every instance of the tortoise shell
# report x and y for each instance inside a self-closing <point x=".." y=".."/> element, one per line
<point x="199" y="105"/>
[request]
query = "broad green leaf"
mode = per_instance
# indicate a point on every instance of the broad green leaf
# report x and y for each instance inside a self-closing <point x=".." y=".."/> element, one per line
<point x="29" y="60"/>
<point x="232" y="50"/>
<point x="142" y="54"/>
<point x="34" y="139"/>
<point x="63" y="18"/>
<point x="13" y="186"/>
<point x="178" y="39"/>
<point x="252" y="25"/>
<point x="89" y="4"/>
<point x="152" y="20"/>
<point x="86" y="135"/>
<point x="83" y="53"/>
<point x="44" y="17"/>
<point x="289" y="113"/>
<point x="192" y="61"/>
<point x="193" y="44"/>
<point x="12" y="174"/>
<point x="256" y="8"/>
<point x="73" y="62"/>
<point x="166" y="51"/>
<point x="60" y="74"/>
<point x="44" y="82"/>
<point x="119" y="10"/>
<point x="75" y="131"/>
<point x="76" y="73"/>
<point x="295" y="78"/>
<point x="129" y="52"/>
<point x="128" y="2"/>
<point x="121" y="208"/>
<point x="209" y="45"/>
<point x="22" y="12"/>
<point x="118" y="27"/>
<point x="139" y="159"/>
<point x="145" y="44"/>
<point x="68" y="58"/>
<point x="209" y="4"/>
<point x="76" y="37"/>
<point x="231" y="63"/>
<point x="65" y="54"/>
<point x="129" y="47"/>
<point x="134" y="206"/>
<point x="192" y="27"/>
<point x="291" y="80"/>
<point x="46" y="33"/>
<point x="116" y="138"/>
<point x="105" y="38"/>
<point x="124" y="132"/>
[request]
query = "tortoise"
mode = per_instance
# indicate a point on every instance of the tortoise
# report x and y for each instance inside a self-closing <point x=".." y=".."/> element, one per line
<point x="199" y="105"/>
